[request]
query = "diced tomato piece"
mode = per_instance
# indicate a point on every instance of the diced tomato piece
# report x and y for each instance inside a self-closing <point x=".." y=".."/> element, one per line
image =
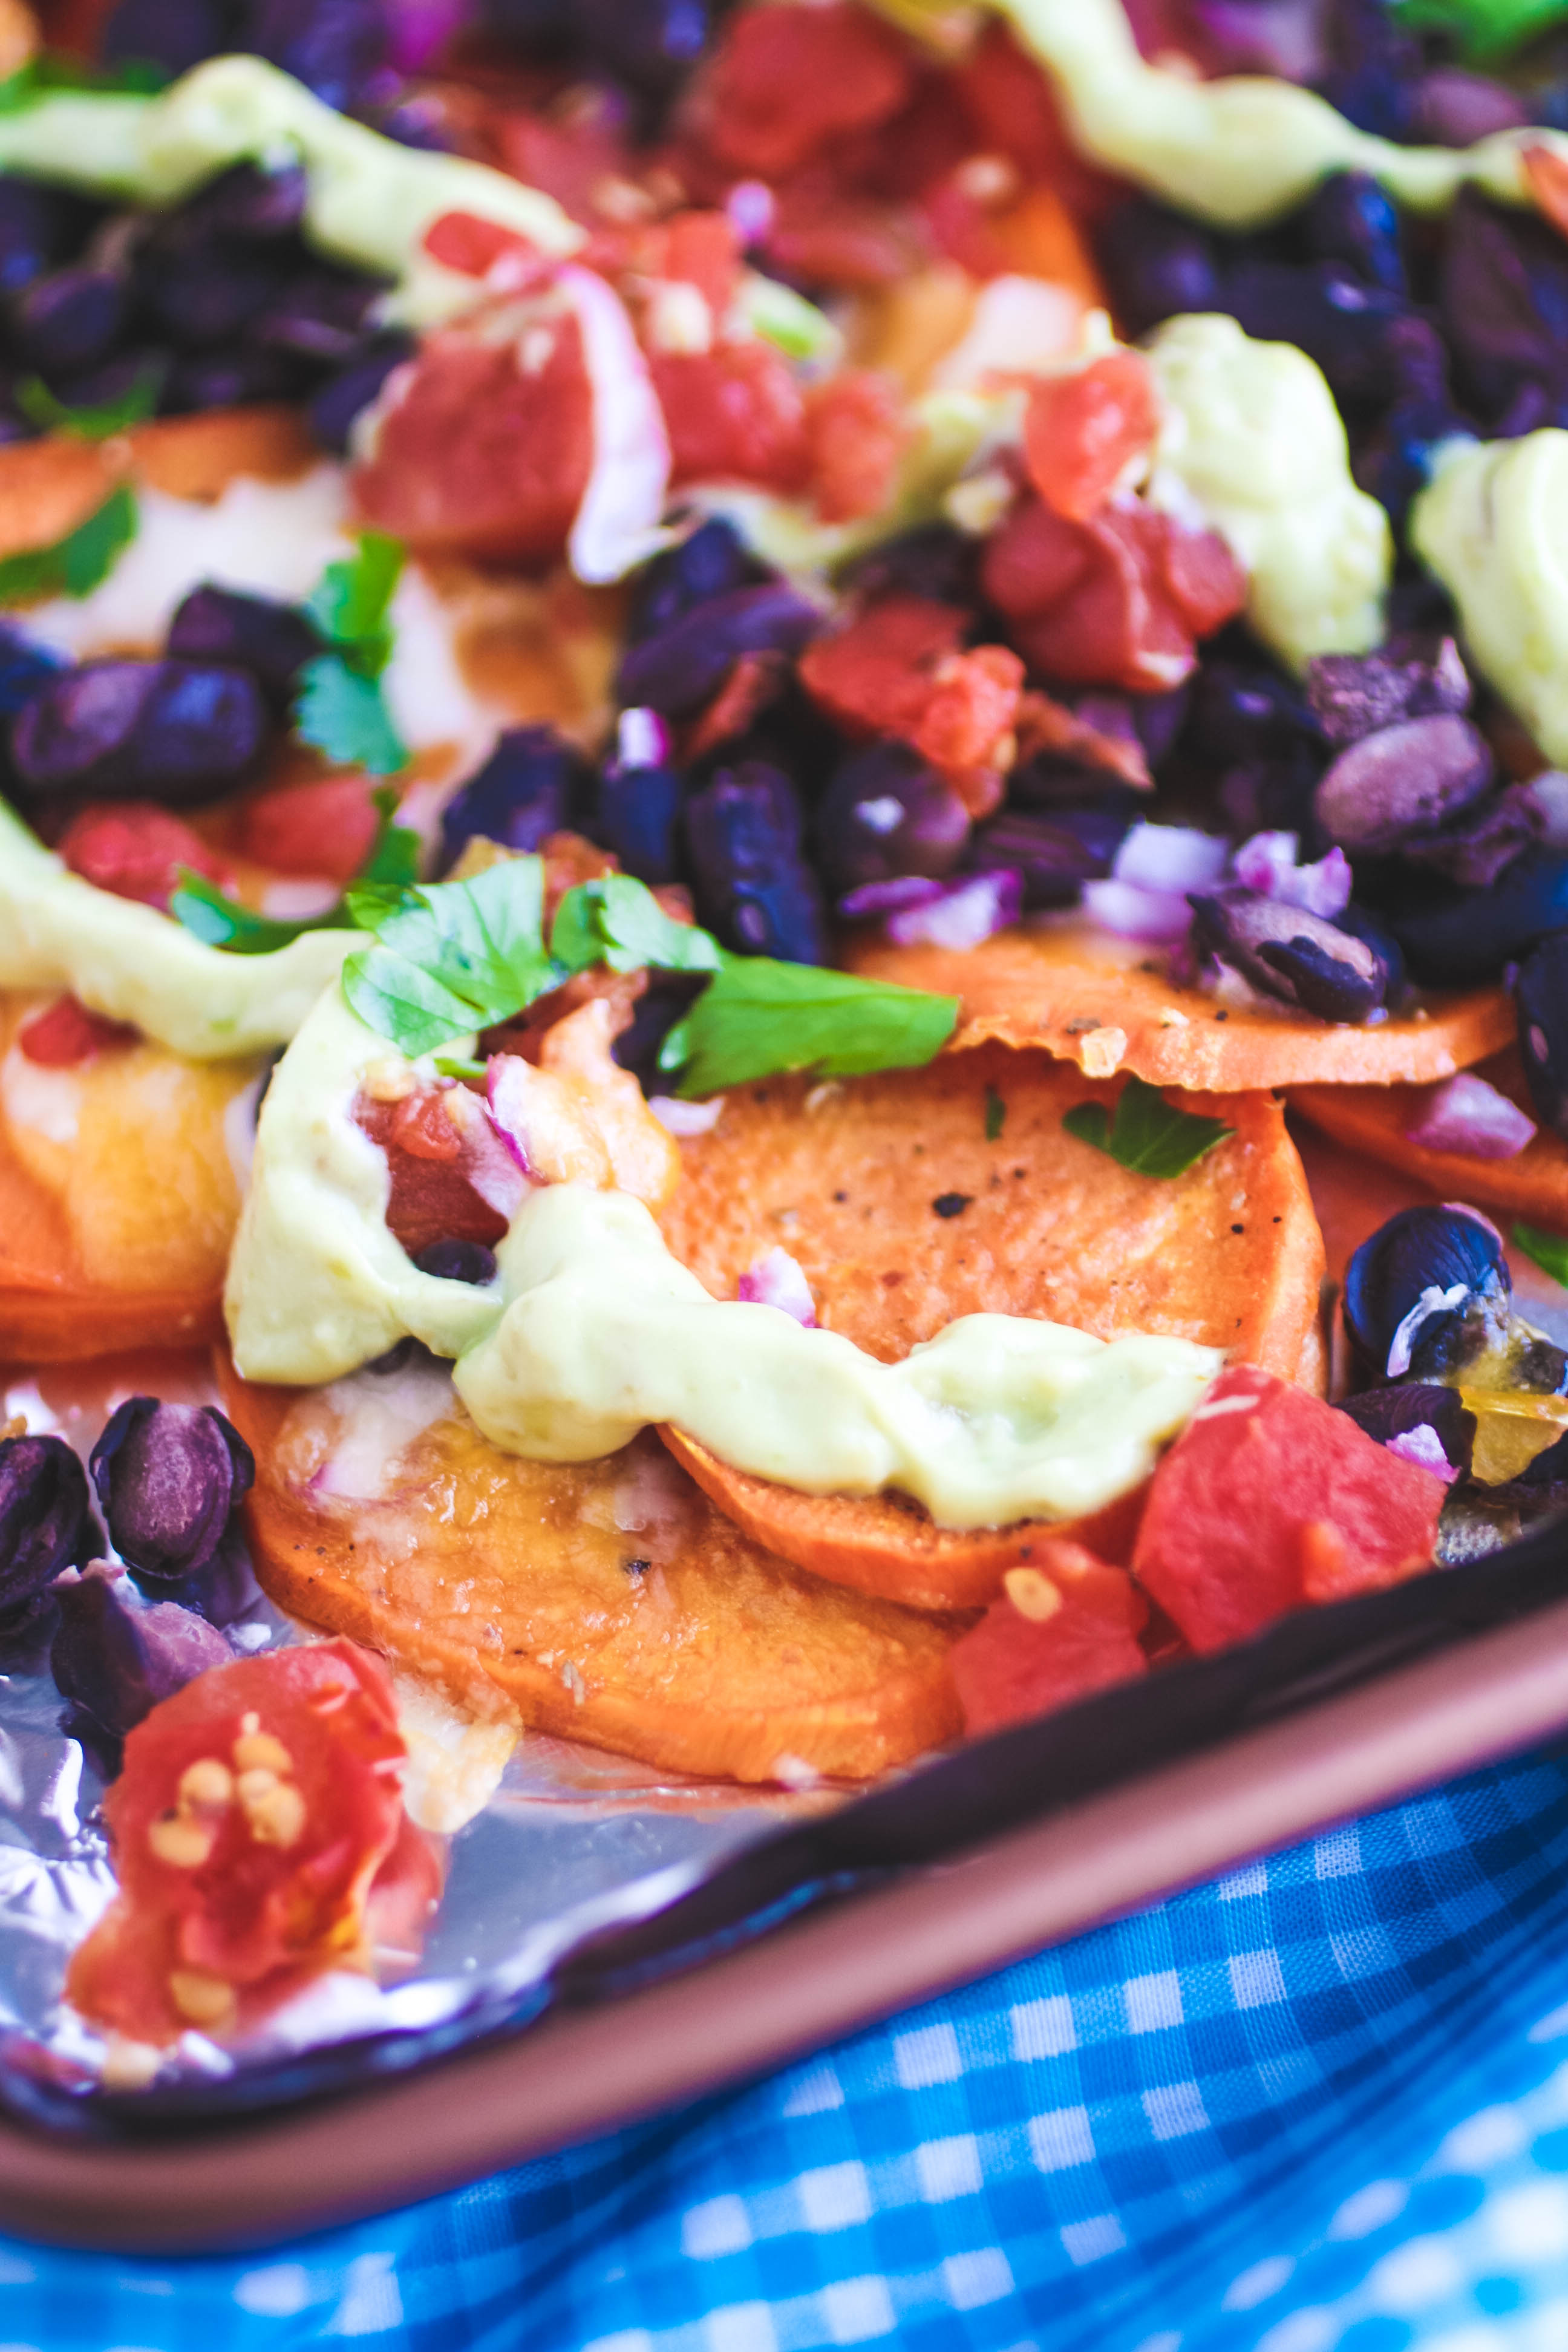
<point x="1067" y="1626"/>
<point x="67" y="1034"/>
<point x="254" y="1812"/>
<point x="734" y="414"/>
<point x="1082" y="431"/>
<point x="323" y="828"/>
<point x="1199" y="573"/>
<point x="857" y="432"/>
<point x="829" y="236"/>
<point x="786" y="78"/>
<point x="1032" y="558"/>
<point x="575" y="161"/>
<point x="1270" y="1498"/>
<point x="136" y="849"/>
<point x="973" y="705"/>
<point x="452" y="1178"/>
<point x="483" y="447"/>
<point x="701" y="249"/>
<point x="464" y="242"/>
<point x="874" y="678"/>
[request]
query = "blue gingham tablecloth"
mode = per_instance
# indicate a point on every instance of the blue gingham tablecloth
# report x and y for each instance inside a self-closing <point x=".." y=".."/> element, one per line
<point x="1320" y="2103"/>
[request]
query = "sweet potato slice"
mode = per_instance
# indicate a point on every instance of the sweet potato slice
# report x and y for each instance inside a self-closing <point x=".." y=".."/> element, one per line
<point x="607" y="1601"/>
<point x="1533" y="1184"/>
<point x="48" y="486"/>
<point x="117" y="1197"/>
<point x="903" y="1215"/>
<point x="1105" y="1004"/>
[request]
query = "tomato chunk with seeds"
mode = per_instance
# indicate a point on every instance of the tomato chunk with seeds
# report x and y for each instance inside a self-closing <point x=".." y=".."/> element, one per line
<point x="481" y="446"/>
<point x="785" y="79"/>
<point x="734" y="413"/>
<point x="253" y="1816"/>
<point x="897" y="670"/>
<point x="68" y="1034"/>
<point x="136" y="848"/>
<point x="1067" y="1625"/>
<point x="1270" y="1498"/>
<point x="452" y="1178"/>
<point x="322" y="829"/>
<point x="1082" y="431"/>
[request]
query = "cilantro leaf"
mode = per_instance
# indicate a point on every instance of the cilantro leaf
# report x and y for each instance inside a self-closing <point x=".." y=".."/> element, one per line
<point x="344" y="714"/>
<point x="756" y="1018"/>
<point x="350" y="603"/>
<point x="1485" y="30"/>
<point x="223" y="922"/>
<point x="452" y="957"/>
<point x="618" y="921"/>
<point x="1550" y="1251"/>
<point x="50" y="70"/>
<point x="1146" y="1135"/>
<point x="74" y="565"/>
<point x="138" y="399"/>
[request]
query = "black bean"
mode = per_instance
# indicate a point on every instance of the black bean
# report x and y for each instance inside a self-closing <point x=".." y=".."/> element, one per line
<point x="1056" y="851"/>
<point x="652" y="44"/>
<point x="46" y="1519"/>
<point x="1541" y="994"/>
<point x="319" y="315"/>
<point x="248" y="202"/>
<point x="458" y="1261"/>
<point x="753" y="888"/>
<point x="1292" y="954"/>
<point x="343" y="395"/>
<point x="1404" y="779"/>
<point x="1414" y="1404"/>
<point x="24" y="669"/>
<point x="1484" y="843"/>
<point x="1368" y="343"/>
<point x="172" y="730"/>
<point x="1350" y="218"/>
<point x="668" y="997"/>
<point x="273" y="641"/>
<point x="229" y="377"/>
<point x="174" y="33"/>
<point x="68" y="319"/>
<point x="202" y="291"/>
<point x="40" y="228"/>
<point x="1503" y="301"/>
<point x="168" y="1477"/>
<point x="533" y="786"/>
<point x="1157" y="263"/>
<point x="1355" y="694"/>
<point x="1458" y="937"/>
<point x="887" y="812"/>
<point x="115" y="1660"/>
<point x="1428" y="1265"/>
<point x="637" y="814"/>
<point x="936" y="561"/>
<point x="712" y="563"/>
<point x="333" y="46"/>
<point x="686" y="663"/>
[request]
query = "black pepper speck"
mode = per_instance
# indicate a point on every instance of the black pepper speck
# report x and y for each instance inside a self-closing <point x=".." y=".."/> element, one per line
<point x="951" y="1204"/>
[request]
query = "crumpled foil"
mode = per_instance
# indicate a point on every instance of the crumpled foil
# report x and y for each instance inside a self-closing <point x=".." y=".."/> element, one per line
<point x="585" y="1874"/>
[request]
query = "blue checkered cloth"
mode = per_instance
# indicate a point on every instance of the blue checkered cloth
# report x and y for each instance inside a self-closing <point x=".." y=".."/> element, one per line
<point x="1321" y="2103"/>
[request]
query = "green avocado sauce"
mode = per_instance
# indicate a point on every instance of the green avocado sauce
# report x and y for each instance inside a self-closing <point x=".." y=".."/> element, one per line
<point x="370" y="202"/>
<point x="1493" y="524"/>
<point x="132" y="963"/>
<point x="592" y="1331"/>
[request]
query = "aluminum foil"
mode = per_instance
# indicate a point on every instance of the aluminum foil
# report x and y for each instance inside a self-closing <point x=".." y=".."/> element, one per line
<point x="570" y="1846"/>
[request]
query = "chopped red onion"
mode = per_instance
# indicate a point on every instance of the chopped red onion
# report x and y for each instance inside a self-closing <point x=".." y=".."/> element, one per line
<point x="506" y="1090"/>
<point x="1423" y="1446"/>
<point x="1465" y="1114"/>
<point x="1171" y="858"/>
<point x="642" y="739"/>
<point x="1267" y="864"/>
<point x="1133" y="913"/>
<point x="751" y="207"/>
<point x="888" y="897"/>
<point x="962" y="913"/>
<point x="777" y="1281"/>
<point x="679" y="1118"/>
<point x="617" y="525"/>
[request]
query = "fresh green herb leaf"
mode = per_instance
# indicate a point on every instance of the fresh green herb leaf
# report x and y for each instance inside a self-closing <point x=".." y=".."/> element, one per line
<point x="140" y="398"/>
<point x="756" y="1018"/>
<point x="350" y="603"/>
<point x="618" y="921"/>
<point x="458" y="1065"/>
<point x="995" y="1115"/>
<point x="451" y="958"/>
<point x="1485" y="30"/>
<point x="1146" y="1135"/>
<point x="344" y="714"/>
<point x="74" y="565"/>
<point x="49" y="71"/>
<point x="1550" y="1251"/>
<point x="224" y="922"/>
